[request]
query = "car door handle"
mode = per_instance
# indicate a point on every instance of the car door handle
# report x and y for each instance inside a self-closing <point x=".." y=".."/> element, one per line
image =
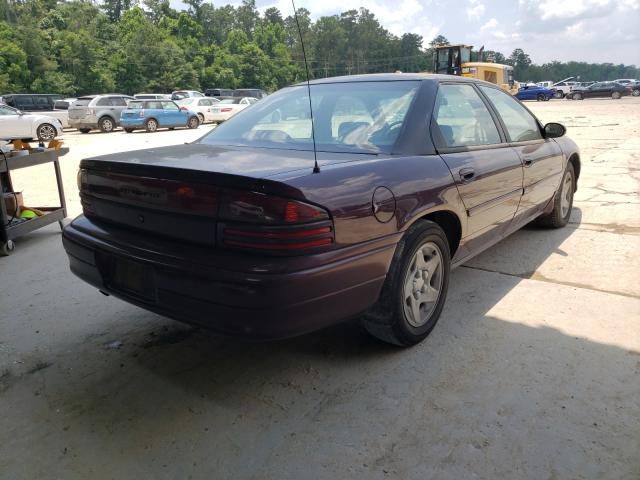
<point x="527" y="161"/>
<point x="466" y="174"/>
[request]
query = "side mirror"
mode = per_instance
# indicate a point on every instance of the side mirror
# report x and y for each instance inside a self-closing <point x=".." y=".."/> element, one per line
<point x="554" y="130"/>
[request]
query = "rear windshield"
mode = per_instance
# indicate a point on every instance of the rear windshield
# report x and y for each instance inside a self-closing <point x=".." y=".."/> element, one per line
<point x="348" y="117"/>
<point x="185" y="101"/>
<point x="230" y="100"/>
<point x="82" y="102"/>
<point x="133" y="105"/>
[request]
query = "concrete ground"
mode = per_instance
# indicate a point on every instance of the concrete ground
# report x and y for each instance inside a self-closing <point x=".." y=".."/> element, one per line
<point x="532" y="373"/>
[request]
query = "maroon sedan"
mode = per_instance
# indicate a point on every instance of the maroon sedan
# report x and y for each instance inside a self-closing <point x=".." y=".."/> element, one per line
<point x="274" y="225"/>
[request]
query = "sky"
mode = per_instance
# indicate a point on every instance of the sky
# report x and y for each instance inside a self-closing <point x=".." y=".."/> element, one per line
<point x="583" y="30"/>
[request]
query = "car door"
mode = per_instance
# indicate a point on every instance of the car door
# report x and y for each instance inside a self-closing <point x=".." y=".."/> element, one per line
<point x="172" y="114"/>
<point x="486" y="170"/>
<point x="12" y="125"/>
<point x="541" y="157"/>
<point x="597" y="90"/>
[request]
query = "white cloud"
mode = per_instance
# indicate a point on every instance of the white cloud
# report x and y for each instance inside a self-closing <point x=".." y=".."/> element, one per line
<point x="475" y="9"/>
<point x="489" y="25"/>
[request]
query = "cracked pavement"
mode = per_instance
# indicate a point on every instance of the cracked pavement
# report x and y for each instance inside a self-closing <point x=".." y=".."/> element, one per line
<point x="533" y="371"/>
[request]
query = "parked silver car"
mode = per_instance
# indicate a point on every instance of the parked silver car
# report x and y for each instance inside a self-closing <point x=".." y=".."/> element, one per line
<point x="97" y="112"/>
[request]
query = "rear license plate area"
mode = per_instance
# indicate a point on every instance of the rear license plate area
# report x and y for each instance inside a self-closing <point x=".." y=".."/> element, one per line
<point x="131" y="278"/>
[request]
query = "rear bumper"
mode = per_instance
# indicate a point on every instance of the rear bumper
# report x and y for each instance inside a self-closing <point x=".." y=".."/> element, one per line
<point x="237" y="294"/>
<point x="135" y="122"/>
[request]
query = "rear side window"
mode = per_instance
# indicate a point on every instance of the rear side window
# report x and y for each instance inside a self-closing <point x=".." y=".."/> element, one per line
<point x="520" y="124"/>
<point x="118" y="102"/>
<point x="462" y="119"/>
<point x="82" y="102"/>
<point x="104" y="102"/>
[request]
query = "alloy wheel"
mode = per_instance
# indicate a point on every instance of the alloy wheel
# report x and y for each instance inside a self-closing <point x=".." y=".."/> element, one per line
<point x="46" y="132"/>
<point x="423" y="284"/>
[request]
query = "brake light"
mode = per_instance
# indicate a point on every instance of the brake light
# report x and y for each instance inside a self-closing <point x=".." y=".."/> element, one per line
<point x="184" y="109"/>
<point x="227" y="109"/>
<point x="141" y="114"/>
<point x="266" y="223"/>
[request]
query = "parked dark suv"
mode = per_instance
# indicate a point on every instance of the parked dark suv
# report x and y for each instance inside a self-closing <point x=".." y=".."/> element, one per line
<point x="601" y="90"/>
<point x="219" y="92"/>
<point x="250" y="92"/>
<point x="31" y="102"/>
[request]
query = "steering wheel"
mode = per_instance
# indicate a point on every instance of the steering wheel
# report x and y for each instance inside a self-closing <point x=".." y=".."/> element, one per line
<point x="385" y="131"/>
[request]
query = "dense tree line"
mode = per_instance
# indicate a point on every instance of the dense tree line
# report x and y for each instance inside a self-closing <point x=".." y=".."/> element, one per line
<point x="78" y="47"/>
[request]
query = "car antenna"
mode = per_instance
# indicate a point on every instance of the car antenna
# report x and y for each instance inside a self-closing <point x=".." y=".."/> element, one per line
<point x="316" y="167"/>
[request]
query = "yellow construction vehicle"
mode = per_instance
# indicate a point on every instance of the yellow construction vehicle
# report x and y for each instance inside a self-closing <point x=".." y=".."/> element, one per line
<point x="456" y="60"/>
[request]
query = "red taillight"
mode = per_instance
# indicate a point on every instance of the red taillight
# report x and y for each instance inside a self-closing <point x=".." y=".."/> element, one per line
<point x="278" y="239"/>
<point x="184" y="109"/>
<point x="261" y="222"/>
<point x="141" y="114"/>
<point x="223" y="110"/>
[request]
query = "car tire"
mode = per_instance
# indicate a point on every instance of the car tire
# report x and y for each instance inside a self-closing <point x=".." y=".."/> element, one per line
<point x="128" y="130"/>
<point x="84" y="130"/>
<point x="635" y="93"/>
<point x="562" y="201"/>
<point x="201" y="118"/>
<point x="577" y="96"/>
<point x="559" y="94"/>
<point x="193" y="122"/>
<point x="616" y="95"/>
<point x="46" y="131"/>
<point x="406" y="289"/>
<point x="106" y="124"/>
<point x="151" y="125"/>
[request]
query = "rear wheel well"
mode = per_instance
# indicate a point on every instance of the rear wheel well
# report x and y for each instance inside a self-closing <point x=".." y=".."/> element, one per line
<point x="450" y="223"/>
<point x="575" y="161"/>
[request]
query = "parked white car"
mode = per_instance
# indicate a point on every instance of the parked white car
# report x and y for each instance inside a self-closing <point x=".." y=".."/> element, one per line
<point x="180" y="94"/>
<point x="564" y="87"/>
<point x="228" y="107"/>
<point x="201" y="105"/>
<point x="545" y="84"/>
<point x="15" y="125"/>
<point x="152" y="96"/>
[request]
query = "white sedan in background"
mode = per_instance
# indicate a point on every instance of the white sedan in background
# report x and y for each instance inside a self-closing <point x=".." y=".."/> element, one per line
<point x="229" y="106"/>
<point x="15" y="125"/>
<point x="202" y="106"/>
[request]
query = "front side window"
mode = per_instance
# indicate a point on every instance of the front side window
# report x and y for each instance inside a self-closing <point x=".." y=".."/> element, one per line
<point x="462" y="119"/>
<point x="283" y="120"/>
<point x="520" y="124"/>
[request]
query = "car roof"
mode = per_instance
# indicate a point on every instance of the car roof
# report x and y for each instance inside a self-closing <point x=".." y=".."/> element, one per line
<point x="390" y="77"/>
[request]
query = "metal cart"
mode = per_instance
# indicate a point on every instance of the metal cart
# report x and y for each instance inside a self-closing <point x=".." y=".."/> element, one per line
<point x="11" y="229"/>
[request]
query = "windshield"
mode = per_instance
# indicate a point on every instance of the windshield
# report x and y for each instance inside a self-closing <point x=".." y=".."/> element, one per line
<point x="185" y="101"/>
<point x="230" y="100"/>
<point x="348" y="117"/>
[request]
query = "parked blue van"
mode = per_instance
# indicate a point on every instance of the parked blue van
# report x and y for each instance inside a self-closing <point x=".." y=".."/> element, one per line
<point x="154" y="114"/>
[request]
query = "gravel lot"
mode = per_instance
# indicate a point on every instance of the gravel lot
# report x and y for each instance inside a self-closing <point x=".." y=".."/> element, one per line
<point x="532" y="373"/>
